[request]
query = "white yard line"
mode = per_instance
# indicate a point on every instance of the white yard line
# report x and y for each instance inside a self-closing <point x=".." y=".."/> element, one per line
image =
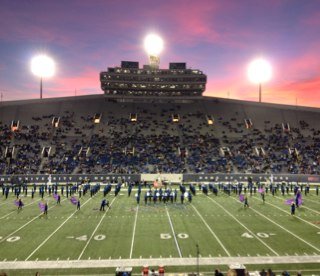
<point x="64" y="264"/>
<point x="253" y="234"/>
<point x="134" y="232"/>
<point x="174" y="234"/>
<point x="95" y="230"/>
<point x="211" y="231"/>
<point x="55" y="231"/>
<point x="308" y="222"/>
<point x="305" y="207"/>
<point x="293" y="234"/>
<point x="15" y="211"/>
<point x="3" y="203"/>
<point x="26" y="224"/>
<point x="308" y="199"/>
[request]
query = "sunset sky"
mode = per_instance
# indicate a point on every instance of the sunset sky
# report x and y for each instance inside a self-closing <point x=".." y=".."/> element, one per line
<point x="219" y="37"/>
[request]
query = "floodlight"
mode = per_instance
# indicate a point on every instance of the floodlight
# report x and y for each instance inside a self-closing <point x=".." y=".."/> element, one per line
<point x="43" y="67"/>
<point x="153" y="44"/>
<point x="259" y="71"/>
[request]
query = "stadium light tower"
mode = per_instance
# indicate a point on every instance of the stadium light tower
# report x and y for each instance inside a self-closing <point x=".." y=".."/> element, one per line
<point x="42" y="66"/>
<point x="259" y="71"/>
<point x="153" y="44"/>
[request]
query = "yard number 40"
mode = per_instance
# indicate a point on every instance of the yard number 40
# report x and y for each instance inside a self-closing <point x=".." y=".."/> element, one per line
<point x="167" y="236"/>
<point x="260" y="235"/>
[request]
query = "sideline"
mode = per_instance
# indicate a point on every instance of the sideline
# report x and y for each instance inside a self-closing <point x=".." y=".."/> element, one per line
<point x="157" y="262"/>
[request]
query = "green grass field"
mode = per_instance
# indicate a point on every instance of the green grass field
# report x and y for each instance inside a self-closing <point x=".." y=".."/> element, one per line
<point x="130" y="235"/>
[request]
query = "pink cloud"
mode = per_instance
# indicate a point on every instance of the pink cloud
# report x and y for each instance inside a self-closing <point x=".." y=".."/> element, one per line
<point x="300" y="66"/>
<point x="87" y="82"/>
<point x="304" y="92"/>
<point x="187" y="19"/>
<point x="312" y="20"/>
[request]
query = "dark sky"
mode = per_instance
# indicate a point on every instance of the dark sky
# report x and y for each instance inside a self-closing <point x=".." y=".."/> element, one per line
<point x="220" y="37"/>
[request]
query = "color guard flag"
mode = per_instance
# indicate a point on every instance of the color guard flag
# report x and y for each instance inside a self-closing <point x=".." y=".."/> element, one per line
<point x="289" y="201"/>
<point x="241" y="198"/>
<point x="73" y="200"/>
<point x="16" y="202"/>
<point x="41" y="206"/>
<point x="299" y="196"/>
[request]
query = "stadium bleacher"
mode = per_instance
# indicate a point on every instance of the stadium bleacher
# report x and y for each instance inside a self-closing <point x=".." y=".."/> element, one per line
<point x="166" y="136"/>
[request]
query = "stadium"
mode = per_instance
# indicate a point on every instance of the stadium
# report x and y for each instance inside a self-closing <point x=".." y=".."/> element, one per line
<point x="191" y="184"/>
<point x="154" y="173"/>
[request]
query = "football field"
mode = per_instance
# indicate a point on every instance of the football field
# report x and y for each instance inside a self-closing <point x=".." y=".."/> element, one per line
<point x="211" y="231"/>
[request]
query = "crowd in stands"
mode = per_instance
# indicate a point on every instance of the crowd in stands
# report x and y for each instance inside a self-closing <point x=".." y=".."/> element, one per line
<point x="155" y="144"/>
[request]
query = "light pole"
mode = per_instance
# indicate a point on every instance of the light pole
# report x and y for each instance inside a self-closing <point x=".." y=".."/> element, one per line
<point x="259" y="71"/>
<point x="42" y="66"/>
<point x="40" y="87"/>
